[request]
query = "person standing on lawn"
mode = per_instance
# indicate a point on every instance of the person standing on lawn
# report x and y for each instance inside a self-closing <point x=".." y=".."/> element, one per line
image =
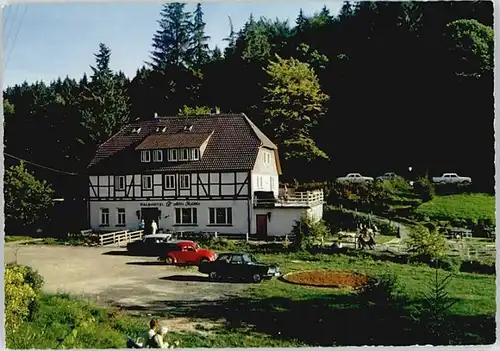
<point x="150" y="334"/>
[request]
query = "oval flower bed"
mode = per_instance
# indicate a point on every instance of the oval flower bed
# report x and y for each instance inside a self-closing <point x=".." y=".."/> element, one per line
<point x="327" y="279"/>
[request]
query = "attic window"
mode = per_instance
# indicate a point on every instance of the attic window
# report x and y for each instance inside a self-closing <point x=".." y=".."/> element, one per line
<point x="188" y="128"/>
<point x="138" y="130"/>
<point x="164" y="129"/>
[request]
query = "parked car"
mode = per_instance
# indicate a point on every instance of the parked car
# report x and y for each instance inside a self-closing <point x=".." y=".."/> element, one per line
<point x="354" y="178"/>
<point x="186" y="251"/>
<point x="152" y="245"/>
<point x="451" y="178"/>
<point x="239" y="266"/>
<point x="387" y="176"/>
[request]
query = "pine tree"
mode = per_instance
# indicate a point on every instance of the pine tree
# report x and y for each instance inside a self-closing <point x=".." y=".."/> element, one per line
<point x="171" y="42"/>
<point x="231" y="39"/>
<point x="105" y="106"/>
<point x="199" y="52"/>
<point x="301" y="21"/>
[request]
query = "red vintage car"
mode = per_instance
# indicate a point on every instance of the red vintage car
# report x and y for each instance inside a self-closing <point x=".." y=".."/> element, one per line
<point x="188" y="252"/>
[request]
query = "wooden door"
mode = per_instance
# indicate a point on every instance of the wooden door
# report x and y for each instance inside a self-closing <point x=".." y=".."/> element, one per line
<point x="261" y="226"/>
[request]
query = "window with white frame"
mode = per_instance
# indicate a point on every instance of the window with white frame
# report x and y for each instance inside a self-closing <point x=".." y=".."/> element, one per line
<point x="259" y="182"/>
<point x="172" y="155"/>
<point x="195" y="154"/>
<point x="104" y="217"/>
<point x="145" y="156"/>
<point x="169" y="181"/>
<point x="186" y="216"/>
<point x="184" y="155"/>
<point x="147" y="182"/>
<point x="184" y="182"/>
<point x="272" y="182"/>
<point x="157" y="156"/>
<point x="120" y="183"/>
<point x="120" y="216"/>
<point x="220" y="215"/>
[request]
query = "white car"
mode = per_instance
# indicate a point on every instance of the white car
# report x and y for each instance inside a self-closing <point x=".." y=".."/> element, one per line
<point x="451" y="178"/>
<point x="354" y="178"/>
<point x="387" y="176"/>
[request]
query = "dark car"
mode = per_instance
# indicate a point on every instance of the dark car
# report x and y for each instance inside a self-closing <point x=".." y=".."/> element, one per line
<point x="153" y="245"/>
<point x="239" y="266"/>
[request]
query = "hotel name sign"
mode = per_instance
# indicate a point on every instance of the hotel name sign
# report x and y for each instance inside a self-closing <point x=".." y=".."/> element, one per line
<point x="169" y="203"/>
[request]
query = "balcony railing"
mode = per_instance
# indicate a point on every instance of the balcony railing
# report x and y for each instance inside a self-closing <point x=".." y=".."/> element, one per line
<point x="299" y="198"/>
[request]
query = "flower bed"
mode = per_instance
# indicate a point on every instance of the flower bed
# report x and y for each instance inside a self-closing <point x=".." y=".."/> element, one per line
<point x="327" y="279"/>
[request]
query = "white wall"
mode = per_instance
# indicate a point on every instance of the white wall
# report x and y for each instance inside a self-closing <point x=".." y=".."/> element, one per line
<point x="239" y="215"/>
<point x="267" y="171"/>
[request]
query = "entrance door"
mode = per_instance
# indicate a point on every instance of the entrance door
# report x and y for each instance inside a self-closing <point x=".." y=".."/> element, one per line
<point x="261" y="226"/>
<point x="149" y="214"/>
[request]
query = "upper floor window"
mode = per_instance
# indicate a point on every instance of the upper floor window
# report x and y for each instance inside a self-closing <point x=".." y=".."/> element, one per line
<point x="267" y="157"/>
<point x="184" y="181"/>
<point x="157" y="156"/>
<point x="195" y="154"/>
<point x="147" y="182"/>
<point x="169" y="181"/>
<point x="172" y="155"/>
<point x="184" y="155"/>
<point x="145" y="156"/>
<point x="259" y="182"/>
<point x="120" y="183"/>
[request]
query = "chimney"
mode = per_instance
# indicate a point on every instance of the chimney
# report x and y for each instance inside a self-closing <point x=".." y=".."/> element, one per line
<point x="217" y="110"/>
<point x="156" y="115"/>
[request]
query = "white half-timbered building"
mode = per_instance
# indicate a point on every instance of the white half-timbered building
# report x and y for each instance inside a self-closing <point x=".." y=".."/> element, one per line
<point x="215" y="172"/>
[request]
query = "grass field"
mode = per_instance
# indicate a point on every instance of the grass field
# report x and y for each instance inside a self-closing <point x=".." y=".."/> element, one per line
<point x="278" y="314"/>
<point x="459" y="207"/>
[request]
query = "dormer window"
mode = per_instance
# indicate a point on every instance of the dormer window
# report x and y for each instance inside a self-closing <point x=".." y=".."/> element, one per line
<point x="172" y="155"/>
<point x="157" y="156"/>
<point x="195" y="154"/>
<point x="145" y="156"/>
<point x="184" y="155"/>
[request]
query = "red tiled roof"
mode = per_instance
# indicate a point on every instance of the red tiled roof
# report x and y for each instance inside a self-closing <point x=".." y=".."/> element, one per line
<point x="233" y="145"/>
<point x="172" y="141"/>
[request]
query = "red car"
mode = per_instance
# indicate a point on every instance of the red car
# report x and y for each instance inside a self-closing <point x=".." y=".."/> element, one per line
<point x="188" y="252"/>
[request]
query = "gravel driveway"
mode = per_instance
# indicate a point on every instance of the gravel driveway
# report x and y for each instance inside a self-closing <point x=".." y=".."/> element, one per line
<point x="109" y="276"/>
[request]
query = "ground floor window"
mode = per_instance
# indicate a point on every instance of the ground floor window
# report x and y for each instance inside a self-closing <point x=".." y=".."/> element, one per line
<point x="220" y="215"/>
<point x="120" y="216"/>
<point x="186" y="216"/>
<point x="104" y="217"/>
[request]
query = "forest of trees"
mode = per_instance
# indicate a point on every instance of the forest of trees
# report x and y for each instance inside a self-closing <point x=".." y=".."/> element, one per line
<point x="377" y="87"/>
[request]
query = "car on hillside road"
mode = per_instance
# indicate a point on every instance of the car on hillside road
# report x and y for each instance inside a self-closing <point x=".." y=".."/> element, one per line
<point x="240" y="266"/>
<point x="187" y="252"/>
<point x="451" y="178"/>
<point x="354" y="178"/>
<point x="387" y="176"/>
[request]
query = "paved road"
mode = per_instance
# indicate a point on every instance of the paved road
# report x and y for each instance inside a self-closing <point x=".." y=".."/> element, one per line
<point x="116" y="279"/>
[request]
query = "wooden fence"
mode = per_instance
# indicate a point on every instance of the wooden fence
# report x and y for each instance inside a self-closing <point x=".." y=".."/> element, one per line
<point x="119" y="238"/>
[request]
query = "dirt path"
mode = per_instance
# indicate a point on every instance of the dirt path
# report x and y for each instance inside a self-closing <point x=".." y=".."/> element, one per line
<point x="107" y="276"/>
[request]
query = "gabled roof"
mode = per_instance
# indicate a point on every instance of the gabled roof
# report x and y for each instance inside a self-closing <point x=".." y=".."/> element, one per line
<point x="233" y="144"/>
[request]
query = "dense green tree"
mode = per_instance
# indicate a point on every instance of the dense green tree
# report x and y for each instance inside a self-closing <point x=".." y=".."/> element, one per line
<point x="105" y="104"/>
<point x="199" y="52"/>
<point x="26" y="199"/>
<point x="294" y="105"/>
<point x="194" y="110"/>
<point x="172" y="40"/>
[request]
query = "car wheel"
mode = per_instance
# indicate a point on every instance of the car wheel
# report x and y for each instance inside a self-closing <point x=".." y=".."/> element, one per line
<point x="213" y="276"/>
<point x="256" y="278"/>
<point x="204" y="260"/>
<point x="169" y="260"/>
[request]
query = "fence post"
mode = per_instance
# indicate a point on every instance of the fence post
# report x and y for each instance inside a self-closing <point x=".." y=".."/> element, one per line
<point x="215" y="235"/>
<point x="246" y="236"/>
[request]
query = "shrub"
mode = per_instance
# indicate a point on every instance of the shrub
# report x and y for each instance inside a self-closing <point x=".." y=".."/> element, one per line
<point x="424" y="188"/>
<point x="21" y="287"/>
<point x="379" y="291"/>
<point x="425" y="242"/>
<point x="307" y="232"/>
<point x="474" y="266"/>
<point x="484" y="228"/>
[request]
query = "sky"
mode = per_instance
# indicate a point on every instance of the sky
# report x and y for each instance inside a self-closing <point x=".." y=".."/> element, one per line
<point x="44" y="41"/>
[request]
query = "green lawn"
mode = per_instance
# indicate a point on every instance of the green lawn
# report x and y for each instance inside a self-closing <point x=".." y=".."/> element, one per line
<point x="12" y="238"/>
<point x="459" y="207"/>
<point x="278" y="314"/>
